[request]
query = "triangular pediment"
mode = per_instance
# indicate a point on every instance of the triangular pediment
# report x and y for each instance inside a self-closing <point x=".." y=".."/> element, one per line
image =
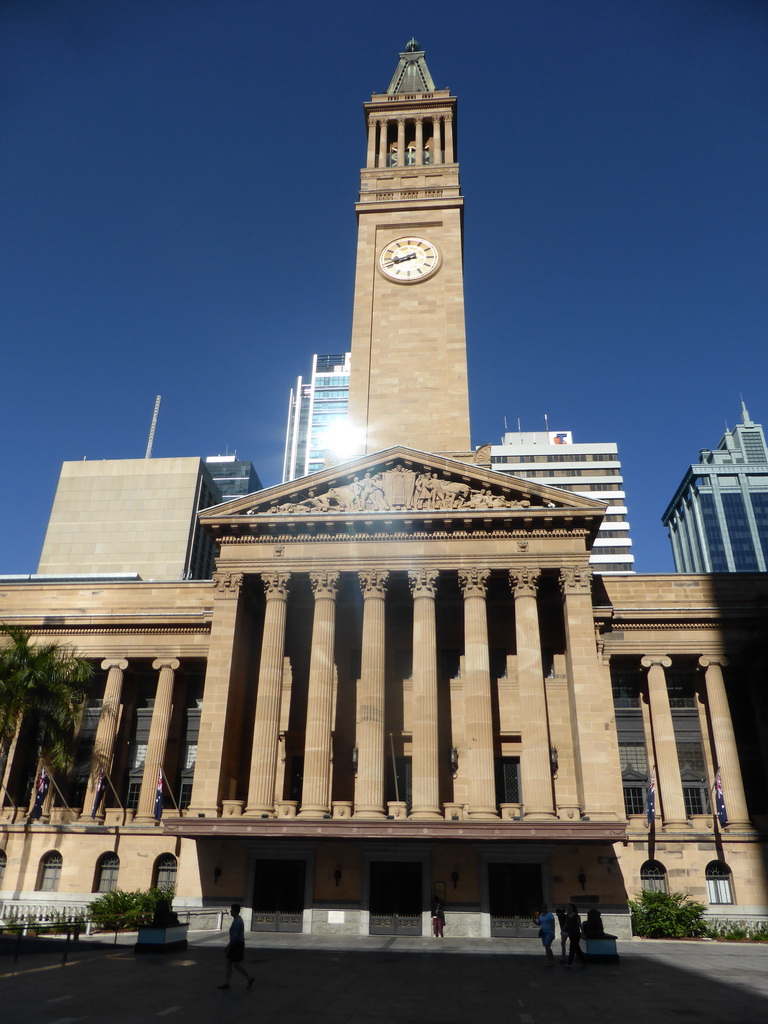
<point x="403" y="481"/>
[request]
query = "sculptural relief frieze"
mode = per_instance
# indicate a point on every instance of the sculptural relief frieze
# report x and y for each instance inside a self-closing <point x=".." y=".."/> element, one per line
<point x="397" y="489"/>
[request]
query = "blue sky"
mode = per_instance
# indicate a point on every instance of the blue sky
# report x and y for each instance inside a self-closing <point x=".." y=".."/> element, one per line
<point x="177" y="182"/>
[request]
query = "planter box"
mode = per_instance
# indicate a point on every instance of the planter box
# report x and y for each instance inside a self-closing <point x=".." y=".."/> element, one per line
<point x="161" y="940"/>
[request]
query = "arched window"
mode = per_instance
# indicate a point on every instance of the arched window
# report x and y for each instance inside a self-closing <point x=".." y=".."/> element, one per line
<point x="3" y="861"/>
<point x="107" y="867"/>
<point x="165" y="871"/>
<point x="49" y="875"/>
<point x="719" y="882"/>
<point x="653" y="876"/>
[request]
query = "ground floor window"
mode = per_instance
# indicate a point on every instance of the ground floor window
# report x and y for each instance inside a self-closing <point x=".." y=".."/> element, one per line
<point x="50" y="872"/>
<point x="719" y="882"/>
<point x="653" y="876"/>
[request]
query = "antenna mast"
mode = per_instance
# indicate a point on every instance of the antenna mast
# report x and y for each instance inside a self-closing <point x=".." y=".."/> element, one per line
<point x="151" y="437"/>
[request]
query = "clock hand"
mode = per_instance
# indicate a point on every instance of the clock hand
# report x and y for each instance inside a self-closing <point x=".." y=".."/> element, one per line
<point x="402" y="259"/>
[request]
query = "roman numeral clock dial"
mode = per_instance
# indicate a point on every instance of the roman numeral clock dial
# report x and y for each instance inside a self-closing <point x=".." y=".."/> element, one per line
<point x="409" y="260"/>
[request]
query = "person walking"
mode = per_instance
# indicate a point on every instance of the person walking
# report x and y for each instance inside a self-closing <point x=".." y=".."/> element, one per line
<point x="438" y="918"/>
<point x="573" y="930"/>
<point x="561" y="918"/>
<point x="236" y="948"/>
<point x="547" y="933"/>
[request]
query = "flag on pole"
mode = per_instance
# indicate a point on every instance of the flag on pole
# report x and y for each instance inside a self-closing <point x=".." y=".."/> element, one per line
<point x="159" y="795"/>
<point x="101" y="784"/>
<point x="722" y="814"/>
<point x="650" y="805"/>
<point x="42" y="789"/>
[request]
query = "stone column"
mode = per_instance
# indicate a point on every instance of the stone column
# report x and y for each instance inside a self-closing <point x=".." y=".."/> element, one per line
<point x="419" y="141"/>
<point x="369" y="735"/>
<point x="425" y="765"/>
<point x="477" y="696"/>
<point x="724" y="740"/>
<point x="316" y="789"/>
<point x="668" y="784"/>
<point x="535" y="768"/>
<point x="266" y="726"/>
<point x="371" y="155"/>
<point x="158" y="738"/>
<point x="593" y="725"/>
<point x="401" y="142"/>
<point x="211" y="769"/>
<point x="437" y="140"/>
<point x="383" y="132"/>
<point x="106" y="732"/>
<point x="450" y="156"/>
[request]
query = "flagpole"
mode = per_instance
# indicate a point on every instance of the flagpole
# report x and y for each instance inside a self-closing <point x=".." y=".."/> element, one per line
<point x="168" y="787"/>
<point x="60" y="794"/>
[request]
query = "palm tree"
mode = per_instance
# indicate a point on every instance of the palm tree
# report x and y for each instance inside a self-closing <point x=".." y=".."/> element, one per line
<point x="43" y="685"/>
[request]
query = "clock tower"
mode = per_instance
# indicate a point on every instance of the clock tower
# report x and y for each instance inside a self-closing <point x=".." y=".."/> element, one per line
<point x="408" y="383"/>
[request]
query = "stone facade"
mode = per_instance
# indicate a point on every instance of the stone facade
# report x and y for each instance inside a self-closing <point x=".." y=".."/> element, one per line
<point x="403" y="680"/>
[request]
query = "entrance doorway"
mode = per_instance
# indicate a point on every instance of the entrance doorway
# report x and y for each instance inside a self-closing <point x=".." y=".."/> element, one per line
<point x="515" y="894"/>
<point x="395" y="898"/>
<point x="278" y="896"/>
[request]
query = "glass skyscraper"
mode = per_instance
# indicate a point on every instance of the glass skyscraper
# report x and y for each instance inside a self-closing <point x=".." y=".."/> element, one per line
<point x="317" y="411"/>
<point x="718" y="518"/>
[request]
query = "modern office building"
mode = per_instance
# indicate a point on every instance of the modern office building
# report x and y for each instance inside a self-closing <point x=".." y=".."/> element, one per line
<point x="317" y="417"/>
<point x="718" y="518"/>
<point x="131" y="516"/>
<point x="592" y="470"/>
<point x="404" y="678"/>
<point x="233" y="477"/>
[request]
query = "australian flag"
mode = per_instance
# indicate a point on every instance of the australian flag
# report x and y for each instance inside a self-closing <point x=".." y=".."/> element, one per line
<point x="722" y="814"/>
<point x="650" y="804"/>
<point x="98" y="792"/>
<point x="159" y="795"/>
<point x="42" y="789"/>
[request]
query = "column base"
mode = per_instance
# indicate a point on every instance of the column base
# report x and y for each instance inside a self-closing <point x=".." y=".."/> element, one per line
<point x="674" y="826"/>
<point x="369" y="812"/>
<point x="425" y="814"/>
<point x="482" y="814"/>
<point x="539" y="816"/>
<point x="145" y="820"/>
<point x="314" y="813"/>
<point x="259" y="811"/>
<point x="202" y="812"/>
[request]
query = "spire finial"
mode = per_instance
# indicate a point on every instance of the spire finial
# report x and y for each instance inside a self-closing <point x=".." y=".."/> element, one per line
<point x="745" y="415"/>
<point x="412" y="46"/>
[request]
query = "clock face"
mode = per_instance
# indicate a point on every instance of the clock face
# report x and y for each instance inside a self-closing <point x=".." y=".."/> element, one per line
<point x="409" y="259"/>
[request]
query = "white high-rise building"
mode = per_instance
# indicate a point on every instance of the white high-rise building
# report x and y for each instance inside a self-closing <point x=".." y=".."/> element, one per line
<point x="317" y="416"/>
<point x="593" y="470"/>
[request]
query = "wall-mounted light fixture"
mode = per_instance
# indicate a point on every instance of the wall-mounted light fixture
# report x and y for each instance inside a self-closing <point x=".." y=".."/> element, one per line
<point x="582" y="880"/>
<point x="337" y="875"/>
<point x="553" y="763"/>
<point x="354" y="760"/>
<point x="454" y="762"/>
<point x="216" y="874"/>
<point x="455" y="878"/>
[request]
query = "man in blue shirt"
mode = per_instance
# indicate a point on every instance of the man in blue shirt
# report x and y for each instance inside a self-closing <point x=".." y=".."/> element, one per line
<point x="547" y="933"/>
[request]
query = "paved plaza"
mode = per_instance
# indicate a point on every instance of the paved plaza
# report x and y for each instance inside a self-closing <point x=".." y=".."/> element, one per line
<point x="383" y="980"/>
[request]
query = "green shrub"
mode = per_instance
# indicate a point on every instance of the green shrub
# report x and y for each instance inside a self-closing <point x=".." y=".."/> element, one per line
<point x="126" y="911"/>
<point x="753" y="931"/>
<point x="667" y="915"/>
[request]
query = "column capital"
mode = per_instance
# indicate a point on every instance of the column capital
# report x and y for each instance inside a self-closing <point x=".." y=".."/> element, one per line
<point x="324" y="584"/>
<point x="172" y="663"/>
<point x="713" y="659"/>
<point x="120" y="663"/>
<point x="656" y="659"/>
<point x="423" y="582"/>
<point x="525" y="580"/>
<point x="575" y="579"/>
<point x="447" y="116"/>
<point x="373" y="582"/>
<point x="276" y="585"/>
<point x="227" y="584"/>
<point x="418" y="119"/>
<point x="474" y="581"/>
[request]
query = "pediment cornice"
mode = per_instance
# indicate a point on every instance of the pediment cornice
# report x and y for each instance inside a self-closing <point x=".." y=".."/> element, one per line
<point x="404" y="484"/>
